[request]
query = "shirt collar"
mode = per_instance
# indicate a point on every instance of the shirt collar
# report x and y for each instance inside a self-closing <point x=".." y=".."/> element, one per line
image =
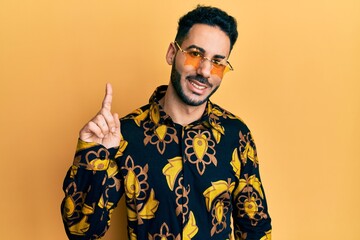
<point x="209" y="119"/>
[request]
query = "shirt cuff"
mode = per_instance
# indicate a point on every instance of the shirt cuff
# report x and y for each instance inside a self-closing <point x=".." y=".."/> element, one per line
<point x="94" y="156"/>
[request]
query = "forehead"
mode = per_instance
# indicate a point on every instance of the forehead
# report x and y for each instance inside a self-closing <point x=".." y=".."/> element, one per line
<point x="211" y="38"/>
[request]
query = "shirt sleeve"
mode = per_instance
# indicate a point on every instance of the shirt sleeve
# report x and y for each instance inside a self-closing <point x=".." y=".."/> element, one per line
<point x="250" y="214"/>
<point x="93" y="186"/>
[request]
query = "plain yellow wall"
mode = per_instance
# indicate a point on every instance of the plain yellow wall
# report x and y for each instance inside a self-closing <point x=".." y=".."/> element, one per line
<point x="296" y="84"/>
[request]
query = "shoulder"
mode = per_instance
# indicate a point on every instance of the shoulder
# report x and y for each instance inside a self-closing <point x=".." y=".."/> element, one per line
<point x="131" y="124"/>
<point x="137" y="115"/>
<point x="227" y="119"/>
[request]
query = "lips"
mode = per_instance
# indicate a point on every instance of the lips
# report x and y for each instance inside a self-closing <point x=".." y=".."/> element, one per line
<point x="199" y="81"/>
<point x="197" y="85"/>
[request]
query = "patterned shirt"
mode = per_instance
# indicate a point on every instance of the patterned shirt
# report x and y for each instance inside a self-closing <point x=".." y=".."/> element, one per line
<point x="199" y="181"/>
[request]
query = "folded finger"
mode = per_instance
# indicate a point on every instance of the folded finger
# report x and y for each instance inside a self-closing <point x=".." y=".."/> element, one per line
<point x="109" y="118"/>
<point x="94" y="128"/>
<point x="100" y="121"/>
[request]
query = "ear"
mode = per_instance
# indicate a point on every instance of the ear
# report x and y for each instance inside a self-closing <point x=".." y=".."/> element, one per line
<point x="170" y="54"/>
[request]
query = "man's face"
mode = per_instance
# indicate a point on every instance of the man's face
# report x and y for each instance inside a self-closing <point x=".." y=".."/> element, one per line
<point x="195" y="83"/>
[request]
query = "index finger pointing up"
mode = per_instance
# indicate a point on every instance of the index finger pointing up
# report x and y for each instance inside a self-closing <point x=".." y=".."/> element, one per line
<point x="108" y="97"/>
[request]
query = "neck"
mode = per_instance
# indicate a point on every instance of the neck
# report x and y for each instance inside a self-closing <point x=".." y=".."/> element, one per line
<point x="180" y="112"/>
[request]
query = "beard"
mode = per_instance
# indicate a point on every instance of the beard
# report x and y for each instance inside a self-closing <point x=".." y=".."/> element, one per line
<point x="175" y="78"/>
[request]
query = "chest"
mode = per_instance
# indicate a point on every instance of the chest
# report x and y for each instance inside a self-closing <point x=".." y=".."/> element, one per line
<point x="170" y="156"/>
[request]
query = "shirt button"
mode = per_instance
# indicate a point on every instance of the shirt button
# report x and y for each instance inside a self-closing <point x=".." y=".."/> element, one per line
<point x="102" y="155"/>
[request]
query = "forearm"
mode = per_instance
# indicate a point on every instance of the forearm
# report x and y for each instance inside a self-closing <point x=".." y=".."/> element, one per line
<point x="92" y="189"/>
<point x="251" y="216"/>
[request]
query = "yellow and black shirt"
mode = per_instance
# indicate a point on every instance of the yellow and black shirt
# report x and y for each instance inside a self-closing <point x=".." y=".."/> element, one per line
<point x="196" y="182"/>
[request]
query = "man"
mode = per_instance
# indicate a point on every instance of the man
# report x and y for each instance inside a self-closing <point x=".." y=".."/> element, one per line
<point x="187" y="167"/>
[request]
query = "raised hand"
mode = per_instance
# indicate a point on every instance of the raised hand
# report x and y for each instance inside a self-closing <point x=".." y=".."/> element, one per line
<point x="104" y="128"/>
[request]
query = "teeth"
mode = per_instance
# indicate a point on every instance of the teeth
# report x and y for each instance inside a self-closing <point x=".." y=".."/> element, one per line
<point x="197" y="86"/>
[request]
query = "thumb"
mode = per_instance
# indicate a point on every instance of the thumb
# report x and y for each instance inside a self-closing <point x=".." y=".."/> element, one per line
<point x="117" y="123"/>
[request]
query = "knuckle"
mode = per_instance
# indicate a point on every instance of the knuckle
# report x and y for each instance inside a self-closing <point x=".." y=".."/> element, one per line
<point x="91" y="126"/>
<point x="99" y="117"/>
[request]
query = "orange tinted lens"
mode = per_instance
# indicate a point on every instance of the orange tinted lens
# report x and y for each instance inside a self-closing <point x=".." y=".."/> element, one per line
<point x="192" y="60"/>
<point x="218" y="70"/>
<point x="226" y="69"/>
<point x="196" y="60"/>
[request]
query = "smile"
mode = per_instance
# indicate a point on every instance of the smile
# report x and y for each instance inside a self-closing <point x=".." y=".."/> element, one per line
<point x="200" y="87"/>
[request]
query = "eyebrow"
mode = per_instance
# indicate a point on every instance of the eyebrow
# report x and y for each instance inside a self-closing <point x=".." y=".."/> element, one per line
<point x="203" y="51"/>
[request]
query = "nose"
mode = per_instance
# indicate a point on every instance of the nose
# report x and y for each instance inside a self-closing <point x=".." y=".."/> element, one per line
<point x="205" y="67"/>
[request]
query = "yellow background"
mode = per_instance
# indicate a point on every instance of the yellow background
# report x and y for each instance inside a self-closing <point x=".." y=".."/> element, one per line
<point x="296" y="84"/>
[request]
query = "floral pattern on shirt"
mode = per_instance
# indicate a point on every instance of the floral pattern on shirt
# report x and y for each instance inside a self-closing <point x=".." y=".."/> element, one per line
<point x="180" y="182"/>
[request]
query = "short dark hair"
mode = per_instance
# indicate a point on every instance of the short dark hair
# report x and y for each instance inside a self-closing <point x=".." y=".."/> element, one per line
<point x="211" y="16"/>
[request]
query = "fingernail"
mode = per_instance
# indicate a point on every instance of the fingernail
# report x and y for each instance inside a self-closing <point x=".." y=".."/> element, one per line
<point x="113" y="129"/>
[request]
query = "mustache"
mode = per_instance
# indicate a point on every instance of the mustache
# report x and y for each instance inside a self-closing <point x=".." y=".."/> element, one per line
<point x="200" y="79"/>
